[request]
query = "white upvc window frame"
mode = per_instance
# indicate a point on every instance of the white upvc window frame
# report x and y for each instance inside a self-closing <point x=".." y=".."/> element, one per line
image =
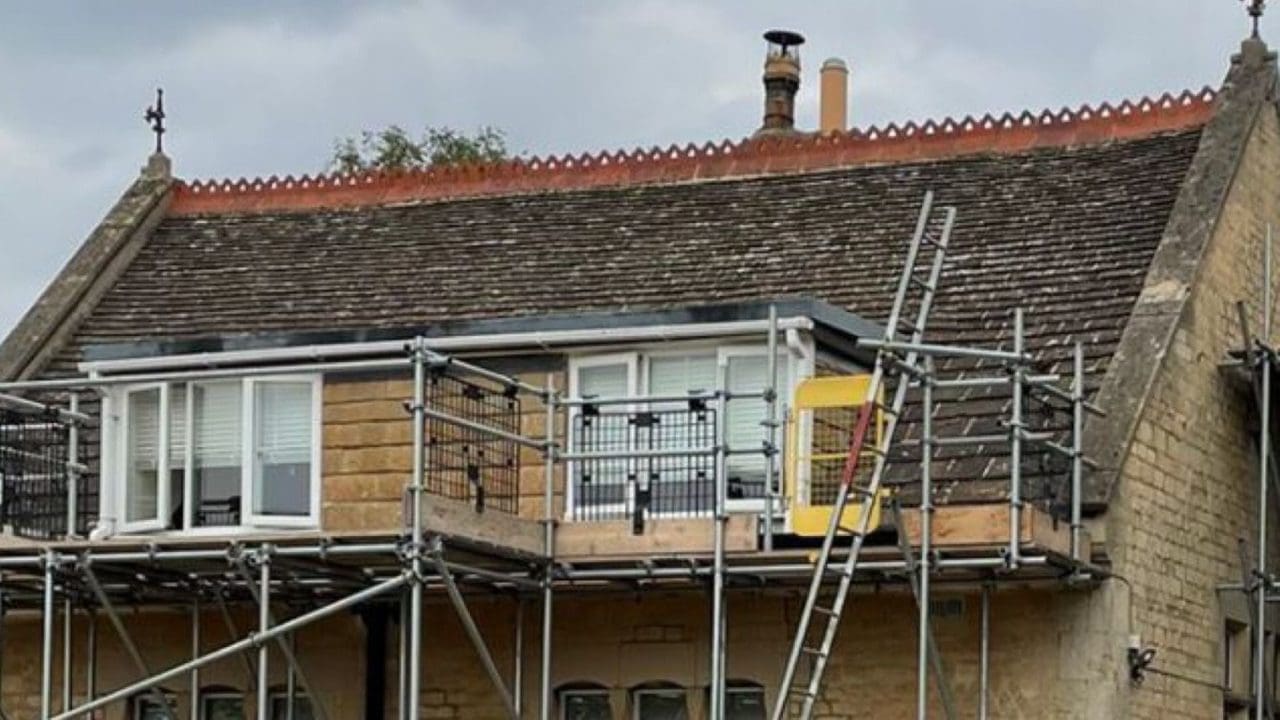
<point x="632" y="361"/>
<point x="786" y="383"/>
<point x="115" y="438"/>
<point x="791" y="367"/>
<point x="162" y="460"/>
<point x="249" y="461"/>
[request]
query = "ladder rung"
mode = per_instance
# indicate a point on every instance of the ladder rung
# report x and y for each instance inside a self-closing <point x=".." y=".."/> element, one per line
<point x="851" y="531"/>
<point x="797" y="690"/>
<point x="922" y="284"/>
<point x="819" y="652"/>
<point x="824" y="610"/>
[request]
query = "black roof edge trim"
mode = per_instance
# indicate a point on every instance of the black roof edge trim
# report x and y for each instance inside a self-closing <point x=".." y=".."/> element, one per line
<point x="840" y="322"/>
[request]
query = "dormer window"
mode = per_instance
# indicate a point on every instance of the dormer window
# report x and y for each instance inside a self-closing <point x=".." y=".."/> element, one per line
<point x="218" y="454"/>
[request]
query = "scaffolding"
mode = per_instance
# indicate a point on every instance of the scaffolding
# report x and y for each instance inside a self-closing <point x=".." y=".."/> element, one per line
<point x="466" y="447"/>
<point x="1256" y="362"/>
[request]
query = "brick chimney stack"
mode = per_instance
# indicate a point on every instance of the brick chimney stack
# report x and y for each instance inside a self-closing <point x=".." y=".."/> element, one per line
<point x="833" y="97"/>
<point x="781" y="81"/>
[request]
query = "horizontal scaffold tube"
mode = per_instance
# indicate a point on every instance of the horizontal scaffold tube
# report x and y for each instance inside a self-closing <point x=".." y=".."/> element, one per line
<point x="252" y="641"/>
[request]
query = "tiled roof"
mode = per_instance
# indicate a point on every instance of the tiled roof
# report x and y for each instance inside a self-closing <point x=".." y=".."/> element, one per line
<point x="1066" y="231"/>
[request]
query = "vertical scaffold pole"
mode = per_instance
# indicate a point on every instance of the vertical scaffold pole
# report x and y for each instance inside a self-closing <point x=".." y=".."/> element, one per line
<point x="926" y="538"/>
<point x="195" y="653"/>
<point x="419" y="353"/>
<point x="721" y="518"/>
<point x="984" y="653"/>
<point x="264" y="625"/>
<point x="517" y="672"/>
<point x="402" y="704"/>
<point x="291" y="684"/>
<point x="771" y="428"/>
<point x="73" y="467"/>
<point x="1077" y="449"/>
<point x="1264" y="452"/>
<point x="549" y="544"/>
<point x="46" y="639"/>
<point x="68" y="615"/>
<point x="91" y="656"/>
<point x="1014" y="556"/>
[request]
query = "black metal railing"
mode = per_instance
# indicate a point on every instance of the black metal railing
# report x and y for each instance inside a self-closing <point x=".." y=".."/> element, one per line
<point x="34" y="467"/>
<point x="656" y="463"/>
<point x="467" y="463"/>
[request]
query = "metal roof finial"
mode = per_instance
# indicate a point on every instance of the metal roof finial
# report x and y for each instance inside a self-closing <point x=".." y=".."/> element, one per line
<point x="1255" y="8"/>
<point x="155" y="116"/>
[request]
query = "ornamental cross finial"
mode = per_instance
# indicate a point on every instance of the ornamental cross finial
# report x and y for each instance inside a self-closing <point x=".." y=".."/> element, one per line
<point x="155" y="116"/>
<point x="1255" y="9"/>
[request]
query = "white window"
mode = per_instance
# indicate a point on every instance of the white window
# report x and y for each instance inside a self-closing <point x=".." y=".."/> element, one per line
<point x="585" y="704"/>
<point x="280" y="707"/>
<point x="147" y="707"/>
<point x="659" y="704"/>
<point x="221" y="705"/>
<point x="744" y="702"/>
<point x="608" y="488"/>
<point x="219" y="454"/>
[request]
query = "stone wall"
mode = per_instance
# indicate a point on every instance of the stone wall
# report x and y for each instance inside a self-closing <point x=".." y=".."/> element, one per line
<point x="617" y="641"/>
<point x="1186" y="493"/>
<point x="368" y="460"/>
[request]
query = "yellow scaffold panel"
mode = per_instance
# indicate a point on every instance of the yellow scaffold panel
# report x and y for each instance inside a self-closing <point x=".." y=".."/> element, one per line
<point x="821" y="421"/>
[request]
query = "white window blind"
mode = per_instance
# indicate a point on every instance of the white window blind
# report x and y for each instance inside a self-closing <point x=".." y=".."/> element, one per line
<point x="284" y="423"/>
<point x="681" y="374"/>
<point x="747" y="374"/>
<point x="606" y="381"/>
<point x="142" y="456"/>
<point x="218" y="421"/>
<point x="603" y="381"/>
<point x="144" y="430"/>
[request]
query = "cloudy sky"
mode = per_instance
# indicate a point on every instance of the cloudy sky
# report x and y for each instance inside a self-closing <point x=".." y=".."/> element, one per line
<point x="257" y="88"/>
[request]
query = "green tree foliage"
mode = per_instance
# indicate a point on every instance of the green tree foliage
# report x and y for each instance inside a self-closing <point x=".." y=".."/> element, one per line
<point x="394" y="149"/>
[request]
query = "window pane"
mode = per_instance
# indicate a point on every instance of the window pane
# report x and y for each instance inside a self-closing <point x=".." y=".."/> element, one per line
<point x="603" y="381"/>
<point x="218" y="446"/>
<point x="280" y="708"/>
<point x="661" y="705"/>
<point x="177" y="453"/>
<point x="282" y="448"/>
<point x="223" y="707"/>
<point x="744" y="705"/>
<point x="682" y="374"/>
<point x="607" y="483"/>
<point x="146" y="708"/>
<point x="586" y="706"/>
<point x="142" y="456"/>
<point x="747" y="374"/>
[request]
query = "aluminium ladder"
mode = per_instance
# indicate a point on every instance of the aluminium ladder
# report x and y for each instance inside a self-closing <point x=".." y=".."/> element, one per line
<point x="927" y="252"/>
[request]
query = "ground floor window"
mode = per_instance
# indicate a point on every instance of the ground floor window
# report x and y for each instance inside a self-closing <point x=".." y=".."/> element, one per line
<point x="217" y="454"/>
<point x="744" y="702"/>
<point x="221" y="705"/>
<point x="148" y="707"/>
<point x="659" y="704"/>
<point x="280" y="707"/>
<point x="585" y="704"/>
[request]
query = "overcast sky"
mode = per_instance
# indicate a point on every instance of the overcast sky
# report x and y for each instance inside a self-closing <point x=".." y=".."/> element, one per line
<point x="256" y="88"/>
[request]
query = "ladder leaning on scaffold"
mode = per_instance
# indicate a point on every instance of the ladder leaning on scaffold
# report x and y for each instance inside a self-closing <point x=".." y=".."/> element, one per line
<point x="927" y="251"/>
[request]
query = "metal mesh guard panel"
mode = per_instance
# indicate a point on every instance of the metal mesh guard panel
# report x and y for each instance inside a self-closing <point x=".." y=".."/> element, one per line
<point x="679" y="485"/>
<point x="33" y="477"/>
<point x="465" y="463"/>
